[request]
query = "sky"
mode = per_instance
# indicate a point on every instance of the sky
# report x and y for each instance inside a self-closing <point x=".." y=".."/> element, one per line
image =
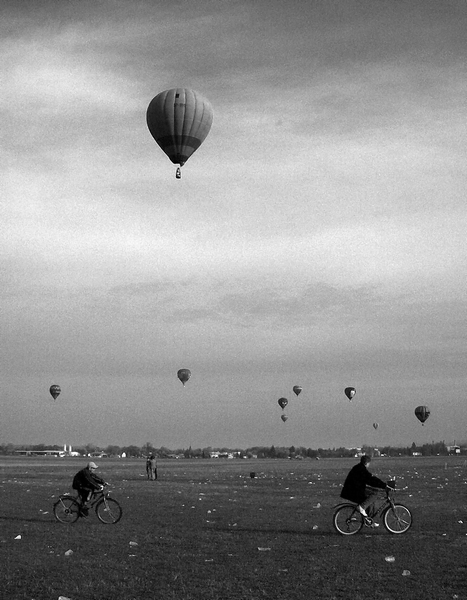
<point x="316" y="238"/>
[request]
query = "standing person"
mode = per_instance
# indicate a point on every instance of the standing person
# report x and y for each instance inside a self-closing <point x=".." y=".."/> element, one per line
<point x="151" y="467"/>
<point x="361" y="486"/>
<point x="85" y="482"/>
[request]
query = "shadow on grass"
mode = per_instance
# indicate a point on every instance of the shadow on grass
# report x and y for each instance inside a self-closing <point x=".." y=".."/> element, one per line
<point x="28" y="519"/>
<point x="276" y="530"/>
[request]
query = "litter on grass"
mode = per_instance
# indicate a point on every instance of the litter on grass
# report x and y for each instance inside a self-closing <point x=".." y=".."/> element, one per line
<point x="68" y="552"/>
<point x="405" y="573"/>
<point x="263" y="549"/>
<point x="389" y="559"/>
<point x="133" y="543"/>
<point x="18" y="537"/>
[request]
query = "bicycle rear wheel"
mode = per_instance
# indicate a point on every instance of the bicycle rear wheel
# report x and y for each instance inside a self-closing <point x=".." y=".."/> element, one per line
<point x="397" y="518"/>
<point x="108" y="511"/>
<point x="66" y="510"/>
<point x="347" y="520"/>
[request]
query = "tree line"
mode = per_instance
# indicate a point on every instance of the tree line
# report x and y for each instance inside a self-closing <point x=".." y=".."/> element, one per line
<point x="292" y="452"/>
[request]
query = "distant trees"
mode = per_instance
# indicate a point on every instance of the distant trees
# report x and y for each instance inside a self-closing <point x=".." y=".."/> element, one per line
<point x="291" y="452"/>
<point x="148" y="449"/>
<point x="113" y="450"/>
<point x="133" y="451"/>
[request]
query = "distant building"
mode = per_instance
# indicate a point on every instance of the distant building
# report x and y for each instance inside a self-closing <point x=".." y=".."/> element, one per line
<point x="59" y="453"/>
<point x="67" y="451"/>
<point x="218" y="454"/>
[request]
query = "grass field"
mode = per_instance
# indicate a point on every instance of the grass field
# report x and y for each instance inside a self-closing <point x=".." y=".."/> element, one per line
<point x="206" y="530"/>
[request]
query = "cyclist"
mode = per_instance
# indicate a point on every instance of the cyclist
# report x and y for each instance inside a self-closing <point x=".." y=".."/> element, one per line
<point x="361" y="486"/>
<point x="85" y="482"/>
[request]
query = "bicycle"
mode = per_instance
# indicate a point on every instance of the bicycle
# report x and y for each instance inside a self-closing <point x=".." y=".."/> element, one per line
<point x="68" y="508"/>
<point x="397" y="518"/>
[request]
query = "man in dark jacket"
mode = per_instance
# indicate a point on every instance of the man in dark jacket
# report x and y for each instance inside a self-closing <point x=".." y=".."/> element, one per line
<point x="85" y="482"/>
<point x="360" y="485"/>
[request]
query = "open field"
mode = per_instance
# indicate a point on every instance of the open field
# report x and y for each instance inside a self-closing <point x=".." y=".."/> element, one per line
<point x="206" y="530"/>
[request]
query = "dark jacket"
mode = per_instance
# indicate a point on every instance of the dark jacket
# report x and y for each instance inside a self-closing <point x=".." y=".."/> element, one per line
<point x="86" y="480"/>
<point x="355" y="482"/>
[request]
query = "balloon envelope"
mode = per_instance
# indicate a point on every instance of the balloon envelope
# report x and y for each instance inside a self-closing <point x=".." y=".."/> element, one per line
<point x="179" y="120"/>
<point x="284" y="418"/>
<point x="375" y="425"/>
<point x="422" y="413"/>
<point x="282" y="402"/>
<point x="297" y="389"/>
<point x="55" y="391"/>
<point x="350" y="392"/>
<point x="184" y="375"/>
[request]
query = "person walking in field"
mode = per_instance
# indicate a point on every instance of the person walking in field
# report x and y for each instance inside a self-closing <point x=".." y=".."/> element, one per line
<point x="85" y="482"/>
<point x="361" y="486"/>
<point x="151" y="467"/>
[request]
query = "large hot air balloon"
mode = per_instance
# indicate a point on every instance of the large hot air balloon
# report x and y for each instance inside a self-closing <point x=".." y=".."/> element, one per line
<point x="184" y="375"/>
<point x="297" y="389"/>
<point x="350" y="392"/>
<point x="375" y="425"/>
<point x="284" y="418"/>
<point x="179" y="120"/>
<point x="282" y="402"/>
<point x="55" y="391"/>
<point x="422" y="413"/>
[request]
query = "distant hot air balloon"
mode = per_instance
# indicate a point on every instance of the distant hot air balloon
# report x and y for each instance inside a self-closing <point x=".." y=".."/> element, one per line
<point x="350" y="392"/>
<point x="184" y="375"/>
<point x="179" y="120"/>
<point x="375" y="425"/>
<point x="297" y="389"/>
<point x="284" y="418"/>
<point x="55" y="391"/>
<point x="422" y="413"/>
<point x="282" y="402"/>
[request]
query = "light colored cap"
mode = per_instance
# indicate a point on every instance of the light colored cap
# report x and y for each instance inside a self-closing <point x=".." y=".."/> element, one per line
<point x="92" y="465"/>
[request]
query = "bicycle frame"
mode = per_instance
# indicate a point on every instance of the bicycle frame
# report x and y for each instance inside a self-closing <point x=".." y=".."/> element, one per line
<point x="69" y="508"/>
<point x="96" y="496"/>
<point x="373" y="512"/>
<point x="396" y="517"/>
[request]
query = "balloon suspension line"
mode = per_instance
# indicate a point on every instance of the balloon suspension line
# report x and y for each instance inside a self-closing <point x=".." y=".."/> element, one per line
<point x="178" y="173"/>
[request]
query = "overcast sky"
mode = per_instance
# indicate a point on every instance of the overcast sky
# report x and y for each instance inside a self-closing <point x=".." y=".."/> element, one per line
<point x="317" y="237"/>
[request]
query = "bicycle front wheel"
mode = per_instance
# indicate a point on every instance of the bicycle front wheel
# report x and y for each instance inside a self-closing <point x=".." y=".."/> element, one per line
<point x="347" y="520"/>
<point x="66" y="510"/>
<point x="397" y="518"/>
<point x="108" y="511"/>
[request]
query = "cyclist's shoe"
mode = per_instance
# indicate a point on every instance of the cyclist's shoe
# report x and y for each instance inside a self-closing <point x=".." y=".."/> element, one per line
<point x="370" y="523"/>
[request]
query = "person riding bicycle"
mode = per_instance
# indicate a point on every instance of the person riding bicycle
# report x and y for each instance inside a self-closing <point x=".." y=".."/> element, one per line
<point x="361" y="487"/>
<point x="85" y="482"/>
